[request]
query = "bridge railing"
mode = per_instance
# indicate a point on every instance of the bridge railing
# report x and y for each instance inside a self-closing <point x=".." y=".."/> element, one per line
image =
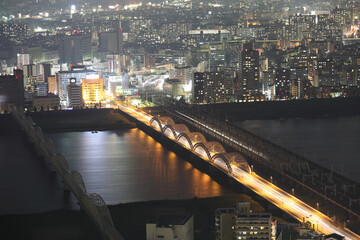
<point x="91" y="203"/>
<point x="269" y="154"/>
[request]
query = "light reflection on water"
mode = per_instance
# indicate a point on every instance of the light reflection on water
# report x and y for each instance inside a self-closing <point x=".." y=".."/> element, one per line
<point x="128" y="166"/>
<point x="121" y="166"/>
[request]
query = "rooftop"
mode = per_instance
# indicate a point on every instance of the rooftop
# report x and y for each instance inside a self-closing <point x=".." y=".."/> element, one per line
<point x="168" y="220"/>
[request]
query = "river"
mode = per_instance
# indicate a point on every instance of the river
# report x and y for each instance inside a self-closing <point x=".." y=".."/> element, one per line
<point x="122" y="166"/>
<point x="129" y="166"/>
<point x="331" y="142"/>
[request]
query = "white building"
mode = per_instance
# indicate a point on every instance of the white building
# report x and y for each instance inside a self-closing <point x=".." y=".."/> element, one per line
<point x="23" y="59"/>
<point x="64" y="81"/>
<point x="241" y="223"/>
<point x="184" y="74"/>
<point x="114" y="81"/>
<point x="171" y="227"/>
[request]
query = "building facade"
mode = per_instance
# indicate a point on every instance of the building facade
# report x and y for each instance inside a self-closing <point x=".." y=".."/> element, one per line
<point x="248" y="84"/>
<point x="170" y="227"/>
<point x="92" y="90"/>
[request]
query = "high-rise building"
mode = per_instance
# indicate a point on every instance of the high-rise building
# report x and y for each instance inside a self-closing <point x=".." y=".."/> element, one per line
<point x="63" y="80"/>
<point x="74" y="94"/>
<point x="173" y="88"/>
<point x="302" y="23"/>
<point x="92" y="90"/>
<point x="16" y="29"/>
<point x="11" y="90"/>
<point x="22" y="59"/>
<point x="184" y="74"/>
<point x="212" y="87"/>
<point x="282" y="83"/>
<point x="302" y="60"/>
<point x="53" y="85"/>
<point x="248" y="84"/>
<point x="114" y="82"/>
<point x="198" y="89"/>
<point x="117" y="62"/>
<point x="30" y="70"/>
<point x="41" y="89"/>
<point x="75" y="49"/>
<point x="340" y="16"/>
<point x="111" y="42"/>
<point x="44" y="69"/>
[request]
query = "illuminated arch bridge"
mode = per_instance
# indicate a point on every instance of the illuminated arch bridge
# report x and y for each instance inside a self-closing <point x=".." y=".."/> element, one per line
<point x="213" y="152"/>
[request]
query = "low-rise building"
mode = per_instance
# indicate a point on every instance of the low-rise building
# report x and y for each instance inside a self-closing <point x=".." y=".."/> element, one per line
<point x="169" y="227"/>
<point x="49" y="102"/>
<point x="241" y="223"/>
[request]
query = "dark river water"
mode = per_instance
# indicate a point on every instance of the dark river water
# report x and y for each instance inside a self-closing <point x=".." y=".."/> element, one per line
<point x="331" y="142"/>
<point x="121" y="166"/>
<point x="129" y="166"/>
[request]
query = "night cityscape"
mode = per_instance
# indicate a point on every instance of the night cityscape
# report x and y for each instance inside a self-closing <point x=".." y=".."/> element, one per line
<point x="186" y="120"/>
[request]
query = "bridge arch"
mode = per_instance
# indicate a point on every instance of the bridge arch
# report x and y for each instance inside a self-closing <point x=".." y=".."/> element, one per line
<point x="238" y="160"/>
<point x="60" y="164"/>
<point x="222" y="157"/>
<point x="50" y="146"/>
<point x="211" y="148"/>
<point x="192" y="138"/>
<point x="184" y="140"/>
<point x="39" y="133"/>
<point x="155" y="123"/>
<point x="79" y="181"/>
<point x="101" y="207"/>
<point x="175" y="129"/>
<point x="202" y="150"/>
<point x="158" y="122"/>
<point x="169" y="131"/>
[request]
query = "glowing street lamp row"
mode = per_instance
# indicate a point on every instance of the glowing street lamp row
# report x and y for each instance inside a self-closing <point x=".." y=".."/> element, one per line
<point x="272" y="193"/>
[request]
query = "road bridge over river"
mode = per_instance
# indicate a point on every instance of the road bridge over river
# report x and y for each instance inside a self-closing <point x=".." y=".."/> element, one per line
<point x="235" y="166"/>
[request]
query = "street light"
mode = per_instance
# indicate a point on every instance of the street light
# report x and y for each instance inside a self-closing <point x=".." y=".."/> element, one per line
<point x="271" y="180"/>
<point x="317" y="206"/>
<point x="293" y="192"/>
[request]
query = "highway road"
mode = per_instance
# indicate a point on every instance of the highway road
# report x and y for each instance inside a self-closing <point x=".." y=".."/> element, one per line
<point x="285" y="201"/>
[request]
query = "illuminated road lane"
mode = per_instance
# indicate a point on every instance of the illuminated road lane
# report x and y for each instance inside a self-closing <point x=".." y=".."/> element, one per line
<point x="272" y="193"/>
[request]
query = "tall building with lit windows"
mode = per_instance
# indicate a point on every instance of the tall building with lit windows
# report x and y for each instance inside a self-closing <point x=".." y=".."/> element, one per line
<point x="92" y="90"/>
<point x="212" y="87"/>
<point x="248" y="84"/>
<point x="282" y="83"/>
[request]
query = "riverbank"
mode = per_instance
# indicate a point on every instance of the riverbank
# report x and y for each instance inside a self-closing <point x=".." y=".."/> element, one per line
<point x="69" y="121"/>
<point x="307" y="108"/>
<point x="129" y="219"/>
<point x="80" y="120"/>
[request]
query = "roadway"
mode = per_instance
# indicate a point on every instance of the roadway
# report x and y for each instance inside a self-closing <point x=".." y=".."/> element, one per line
<point x="285" y="201"/>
